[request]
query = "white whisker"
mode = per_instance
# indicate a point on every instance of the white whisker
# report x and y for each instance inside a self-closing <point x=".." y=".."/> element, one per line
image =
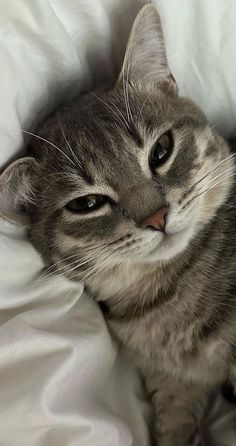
<point x="48" y="142"/>
<point x="79" y="262"/>
<point x="141" y="109"/>
<point x="218" y="183"/>
<point x="222" y="173"/>
<point x="228" y="158"/>
<point x="98" y="268"/>
<point x="120" y="118"/>
<point x="69" y="146"/>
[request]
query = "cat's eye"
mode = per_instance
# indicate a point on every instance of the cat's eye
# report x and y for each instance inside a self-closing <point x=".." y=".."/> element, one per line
<point x="161" y="151"/>
<point x="87" y="203"/>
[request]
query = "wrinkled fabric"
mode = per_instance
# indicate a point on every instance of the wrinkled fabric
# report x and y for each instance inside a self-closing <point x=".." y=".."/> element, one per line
<point x="63" y="381"/>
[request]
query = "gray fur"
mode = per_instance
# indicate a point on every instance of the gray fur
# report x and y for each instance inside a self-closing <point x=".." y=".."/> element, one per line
<point x="168" y="298"/>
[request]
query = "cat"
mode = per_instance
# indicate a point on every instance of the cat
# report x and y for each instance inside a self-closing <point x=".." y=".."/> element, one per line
<point x="131" y="192"/>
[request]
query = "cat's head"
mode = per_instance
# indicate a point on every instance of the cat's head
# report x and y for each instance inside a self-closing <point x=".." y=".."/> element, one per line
<point x="128" y="175"/>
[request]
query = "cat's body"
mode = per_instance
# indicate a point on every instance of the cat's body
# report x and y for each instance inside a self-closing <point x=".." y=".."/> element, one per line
<point x="179" y="322"/>
<point x="131" y="192"/>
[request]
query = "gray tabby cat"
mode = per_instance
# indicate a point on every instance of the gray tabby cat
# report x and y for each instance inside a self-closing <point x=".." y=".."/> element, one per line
<point x="131" y="192"/>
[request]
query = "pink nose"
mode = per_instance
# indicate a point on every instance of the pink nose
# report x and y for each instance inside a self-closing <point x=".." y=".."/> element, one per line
<point x="156" y="221"/>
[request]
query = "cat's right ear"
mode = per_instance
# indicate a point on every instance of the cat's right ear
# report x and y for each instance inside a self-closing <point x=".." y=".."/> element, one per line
<point x="145" y="59"/>
<point x="16" y="190"/>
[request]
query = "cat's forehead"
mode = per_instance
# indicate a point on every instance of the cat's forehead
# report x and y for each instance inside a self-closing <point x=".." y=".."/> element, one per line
<point x="106" y="135"/>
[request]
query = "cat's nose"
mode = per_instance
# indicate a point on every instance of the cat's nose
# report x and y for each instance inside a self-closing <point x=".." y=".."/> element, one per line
<point x="156" y="221"/>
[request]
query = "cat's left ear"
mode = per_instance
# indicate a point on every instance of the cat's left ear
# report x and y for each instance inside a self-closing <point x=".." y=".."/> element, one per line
<point x="145" y="59"/>
<point x="16" y="190"/>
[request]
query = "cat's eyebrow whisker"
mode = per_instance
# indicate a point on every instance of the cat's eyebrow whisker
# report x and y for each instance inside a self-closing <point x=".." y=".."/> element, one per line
<point x="120" y="117"/>
<point x="69" y="146"/>
<point x="228" y="158"/>
<point x="141" y="109"/>
<point x="120" y="113"/>
<point x="48" y="142"/>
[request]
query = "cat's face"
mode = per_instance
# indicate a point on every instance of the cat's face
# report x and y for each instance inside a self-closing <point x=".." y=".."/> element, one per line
<point x="132" y="175"/>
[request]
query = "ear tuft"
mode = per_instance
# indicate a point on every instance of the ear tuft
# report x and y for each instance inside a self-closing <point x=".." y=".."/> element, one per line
<point x="145" y="59"/>
<point x="16" y="190"/>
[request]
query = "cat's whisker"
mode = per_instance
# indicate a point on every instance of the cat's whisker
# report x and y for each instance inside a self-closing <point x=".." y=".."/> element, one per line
<point x="93" y="268"/>
<point x="202" y="191"/>
<point x="80" y="262"/>
<point x="229" y="206"/>
<point x="214" y="126"/>
<point x="98" y="268"/>
<point x="120" y="113"/>
<point x="99" y="249"/>
<point x="48" y="142"/>
<point x="141" y="109"/>
<point x="228" y="158"/>
<point x="219" y="183"/>
<point x="221" y="174"/>
<point x="120" y="118"/>
<point x="69" y="146"/>
<point x="95" y="253"/>
<point x="94" y="257"/>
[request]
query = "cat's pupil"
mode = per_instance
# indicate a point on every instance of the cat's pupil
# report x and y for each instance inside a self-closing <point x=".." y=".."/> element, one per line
<point x="86" y="204"/>
<point x="161" y="151"/>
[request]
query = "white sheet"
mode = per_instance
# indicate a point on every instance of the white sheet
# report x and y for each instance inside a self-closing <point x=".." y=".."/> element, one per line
<point x="61" y="381"/>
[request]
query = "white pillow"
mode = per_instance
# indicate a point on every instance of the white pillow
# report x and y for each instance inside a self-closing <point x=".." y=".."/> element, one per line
<point x="201" y="40"/>
<point x="61" y="381"/>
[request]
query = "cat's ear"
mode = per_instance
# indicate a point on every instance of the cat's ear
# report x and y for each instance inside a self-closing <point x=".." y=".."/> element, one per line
<point x="145" y="58"/>
<point x="16" y="190"/>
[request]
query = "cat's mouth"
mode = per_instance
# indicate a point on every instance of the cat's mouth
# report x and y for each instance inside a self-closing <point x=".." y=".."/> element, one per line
<point x="170" y="244"/>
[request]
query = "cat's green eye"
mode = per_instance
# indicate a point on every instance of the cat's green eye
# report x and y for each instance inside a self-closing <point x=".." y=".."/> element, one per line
<point x="161" y="151"/>
<point x="87" y="203"/>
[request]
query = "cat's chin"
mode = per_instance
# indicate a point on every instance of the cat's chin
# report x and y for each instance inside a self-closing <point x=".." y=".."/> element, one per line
<point x="170" y="246"/>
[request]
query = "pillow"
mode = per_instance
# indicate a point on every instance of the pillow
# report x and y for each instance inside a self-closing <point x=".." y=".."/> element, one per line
<point x="201" y="39"/>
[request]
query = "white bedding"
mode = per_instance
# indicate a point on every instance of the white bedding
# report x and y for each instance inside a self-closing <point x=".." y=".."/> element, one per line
<point x="62" y="382"/>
